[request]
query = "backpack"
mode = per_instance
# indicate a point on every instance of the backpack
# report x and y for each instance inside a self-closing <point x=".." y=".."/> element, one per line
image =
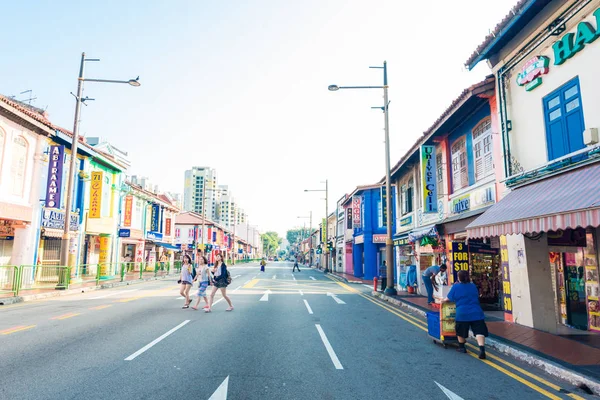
<point x="228" y="277"/>
<point x="193" y="273"/>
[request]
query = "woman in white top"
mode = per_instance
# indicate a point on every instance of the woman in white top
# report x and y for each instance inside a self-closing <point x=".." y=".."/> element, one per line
<point x="219" y="282"/>
<point x="186" y="279"/>
<point x="202" y="275"/>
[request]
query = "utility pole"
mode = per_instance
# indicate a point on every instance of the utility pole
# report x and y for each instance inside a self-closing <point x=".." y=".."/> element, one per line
<point x="203" y="212"/>
<point x="326" y="225"/>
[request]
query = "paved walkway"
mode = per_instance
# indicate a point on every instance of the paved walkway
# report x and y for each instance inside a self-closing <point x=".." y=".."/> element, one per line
<point x="571" y="352"/>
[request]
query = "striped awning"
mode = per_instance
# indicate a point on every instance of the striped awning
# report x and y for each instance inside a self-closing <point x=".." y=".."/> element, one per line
<point x="569" y="200"/>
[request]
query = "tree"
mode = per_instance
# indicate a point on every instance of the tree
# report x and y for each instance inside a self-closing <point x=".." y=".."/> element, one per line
<point x="271" y="242"/>
<point x="295" y="235"/>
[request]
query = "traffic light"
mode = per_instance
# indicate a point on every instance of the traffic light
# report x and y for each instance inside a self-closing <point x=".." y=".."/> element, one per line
<point x="330" y="245"/>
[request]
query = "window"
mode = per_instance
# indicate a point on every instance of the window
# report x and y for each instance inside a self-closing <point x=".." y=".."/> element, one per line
<point x="18" y="165"/>
<point x="2" y="139"/>
<point x="482" y="149"/>
<point x="406" y="193"/>
<point x="439" y="163"/>
<point x="460" y="173"/>
<point x="563" y="114"/>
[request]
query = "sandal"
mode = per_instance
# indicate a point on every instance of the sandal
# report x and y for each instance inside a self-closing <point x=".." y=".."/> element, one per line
<point x="230" y="309"/>
<point x="194" y="308"/>
<point x="207" y="310"/>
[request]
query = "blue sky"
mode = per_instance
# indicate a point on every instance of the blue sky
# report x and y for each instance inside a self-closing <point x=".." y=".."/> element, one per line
<point x="241" y="86"/>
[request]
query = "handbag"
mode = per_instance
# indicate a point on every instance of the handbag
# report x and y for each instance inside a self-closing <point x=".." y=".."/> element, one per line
<point x="179" y="281"/>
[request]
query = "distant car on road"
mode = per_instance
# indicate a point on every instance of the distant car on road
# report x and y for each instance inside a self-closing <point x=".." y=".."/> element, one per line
<point x="276" y="259"/>
<point x="270" y="258"/>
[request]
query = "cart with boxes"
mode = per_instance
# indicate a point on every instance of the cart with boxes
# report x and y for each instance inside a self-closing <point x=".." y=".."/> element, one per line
<point x="441" y="324"/>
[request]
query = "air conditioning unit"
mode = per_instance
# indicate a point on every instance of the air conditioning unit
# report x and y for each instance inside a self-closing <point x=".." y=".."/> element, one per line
<point x="590" y="136"/>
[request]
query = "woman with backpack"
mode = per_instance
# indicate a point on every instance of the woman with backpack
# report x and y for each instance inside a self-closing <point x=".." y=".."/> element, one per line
<point x="221" y="279"/>
<point x="185" y="279"/>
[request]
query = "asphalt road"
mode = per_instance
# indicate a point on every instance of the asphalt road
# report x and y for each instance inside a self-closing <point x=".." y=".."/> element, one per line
<point x="291" y="336"/>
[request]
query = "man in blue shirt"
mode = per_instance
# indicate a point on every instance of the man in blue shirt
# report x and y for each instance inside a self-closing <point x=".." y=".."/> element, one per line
<point x="428" y="279"/>
<point x="383" y="275"/>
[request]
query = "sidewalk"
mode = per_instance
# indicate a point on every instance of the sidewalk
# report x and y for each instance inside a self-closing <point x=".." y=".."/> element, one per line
<point x="38" y="294"/>
<point x="575" y="358"/>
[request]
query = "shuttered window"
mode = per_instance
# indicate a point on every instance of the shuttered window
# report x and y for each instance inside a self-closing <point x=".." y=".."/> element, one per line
<point x="482" y="149"/>
<point x="18" y="165"/>
<point x="460" y="172"/>
<point x="440" y="174"/>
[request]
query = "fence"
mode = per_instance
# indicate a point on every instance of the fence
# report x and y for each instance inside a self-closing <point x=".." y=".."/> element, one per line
<point x="16" y="279"/>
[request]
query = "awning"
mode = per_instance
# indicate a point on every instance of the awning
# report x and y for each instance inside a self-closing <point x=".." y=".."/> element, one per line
<point x="459" y="223"/>
<point x="420" y="233"/>
<point x="168" y="246"/>
<point x="569" y="200"/>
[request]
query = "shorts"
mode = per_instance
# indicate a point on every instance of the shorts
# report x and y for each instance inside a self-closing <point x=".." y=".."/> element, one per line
<point x="202" y="289"/>
<point x="186" y="283"/>
<point x="478" y="327"/>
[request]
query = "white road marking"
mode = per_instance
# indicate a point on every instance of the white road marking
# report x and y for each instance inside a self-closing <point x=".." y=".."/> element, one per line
<point x="221" y="392"/>
<point x="237" y="276"/>
<point x="265" y="296"/>
<point x="312" y="277"/>
<point x="336" y="361"/>
<point x="155" y="341"/>
<point x="308" y="307"/>
<point x="235" y="290"/>
<point x="113" y="294"/>
<point x="247" y="282"/>
<point x="293" y="277"/>
<point x="179" y="298"/>
<point x="339" y="301"/>
<point x="369" y="286"/>
<point x="301" y="293"/>
<point x="274" y="276"/>
<point x="451" y="395"/>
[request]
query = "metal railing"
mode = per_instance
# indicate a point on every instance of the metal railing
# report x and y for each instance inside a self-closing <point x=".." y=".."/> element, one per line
<point x="15" y="279"/>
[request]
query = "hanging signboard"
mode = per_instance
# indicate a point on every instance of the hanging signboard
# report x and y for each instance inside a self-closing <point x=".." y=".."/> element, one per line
<point x="428" y="179"/>
<point x="55" y="174"/>
<point x="154" y="218"/>
<point x="128" y="210"/>
<point x="96" y="195"/>
<point x="356" y="211"/>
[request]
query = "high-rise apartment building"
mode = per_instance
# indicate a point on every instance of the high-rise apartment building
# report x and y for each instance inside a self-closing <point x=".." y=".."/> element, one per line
<point x="200" y="192"/>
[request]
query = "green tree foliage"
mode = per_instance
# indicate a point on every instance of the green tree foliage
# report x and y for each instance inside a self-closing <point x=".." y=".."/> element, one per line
<point x="271" y="242"/>
<point x="293" y="236"/>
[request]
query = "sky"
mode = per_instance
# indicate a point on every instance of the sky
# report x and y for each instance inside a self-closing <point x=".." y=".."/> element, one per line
<point x="241" y="86"/>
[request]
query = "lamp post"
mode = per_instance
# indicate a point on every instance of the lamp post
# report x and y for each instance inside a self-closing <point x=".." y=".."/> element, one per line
<point x="326" y="250"/>
<point x="389" y="249"/>
<point x="64" y="251"/>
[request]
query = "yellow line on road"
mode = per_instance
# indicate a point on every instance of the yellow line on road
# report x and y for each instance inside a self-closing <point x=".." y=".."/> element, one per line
<point x="65" y="316"/>
<point x="16" y="329"/>
<point x="251" y="284"/>
<point x="101" y="307"/>
<point x="149" y="294"/>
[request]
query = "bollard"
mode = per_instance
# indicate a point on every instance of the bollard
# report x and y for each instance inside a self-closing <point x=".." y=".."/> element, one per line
<point x="375" y="284"/>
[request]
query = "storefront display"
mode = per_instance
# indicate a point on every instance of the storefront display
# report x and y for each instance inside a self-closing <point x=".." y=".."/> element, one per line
<point x="485" y="271"/>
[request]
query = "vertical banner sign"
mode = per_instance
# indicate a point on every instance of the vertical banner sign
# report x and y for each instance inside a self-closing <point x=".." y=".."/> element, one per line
<point x="168" y="227"/>
<point x="324" y="231"/>
<point x="55" y="173"/>
<point x="214" y="236"/>
<point x="428" y="179"/>
<point x="506" y="293"/>
<point x="383" y="192"/>
<point x="349" y="218"/>
<point x="154" y="216"/>
<point x="460" y="259"/>
<point x="128" y="210"/>
<point x="96" y="195"/>
<point x="104" y="257"/>
<point x="356" y="211"/>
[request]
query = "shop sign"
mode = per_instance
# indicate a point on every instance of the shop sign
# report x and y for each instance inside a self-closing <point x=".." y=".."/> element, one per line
<point x="96" y="195"/>
<point x="6" y="228"/>
<point x="506" y="292"/>
<point x="154" y="235"/>
<point x="356" y="211"/>
<point x="348" y="218"/>
<point x="154" y="217"/>
<point x="460" y="258"/>
<point x="428" y="179"/>
<point x="168" y="227"/>
<point x="359" y="239"/>
<point x="104" y="257"/>
<point x="128" y="210"/>
<point x="55" y="174"/>
<point x="573" y="43"/>
<point x="380" y="238"/>
<point x="7" y="238"/>
<point x="461" y="204"/>
<point x="472" y="201"/>
<point x="124" y="233"/>
<point x="531" y="73"/>
<point x="403" y="241"/>
<point x="383" y="208"/>
<point x="406" y="221"/>
<point x="324" y="231"/>
<point x="55" y="219"/>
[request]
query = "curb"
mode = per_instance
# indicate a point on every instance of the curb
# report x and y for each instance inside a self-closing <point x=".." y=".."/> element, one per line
<point x="59" y="293"/>
<point x="550" y="367"/>
<point x="337" y="276"/>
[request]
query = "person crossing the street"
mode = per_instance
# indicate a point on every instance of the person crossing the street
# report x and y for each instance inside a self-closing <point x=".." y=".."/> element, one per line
<point x="202" y="275"/>
<point x="296" y="265"/>
<point x="220" y="281"/>
<point x="186" y="280"/>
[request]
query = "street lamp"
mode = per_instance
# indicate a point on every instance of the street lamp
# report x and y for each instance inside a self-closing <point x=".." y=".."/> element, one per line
<point x="389" y="249"/>
<point x="64" y="251"/>
<point x="326" y="190"/>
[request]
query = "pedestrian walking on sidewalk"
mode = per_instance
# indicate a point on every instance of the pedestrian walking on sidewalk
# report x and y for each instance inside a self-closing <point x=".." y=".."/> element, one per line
<point x="203" y="276"/>
<point x="186" y="279"/>
<point x="383" y="275"/>
<point x="468" y="313"/>
<point x="220" y="281"/>
<point x="429" y="279"/>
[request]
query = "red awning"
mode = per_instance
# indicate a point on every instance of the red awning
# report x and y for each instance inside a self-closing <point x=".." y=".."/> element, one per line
<point x="569" y="200"/>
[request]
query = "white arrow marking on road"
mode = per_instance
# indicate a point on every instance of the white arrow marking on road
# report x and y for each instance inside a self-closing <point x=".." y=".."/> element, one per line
<point x="274" y="276"/>
<point x="221" y="392"/>
<point x="451" y="395"/>
<point x="312" y="277"/>
<point x="308" y="307"/>
<point x="335" y="298"/>
<point x="265" y="296"/>
<point x="300" y="291"/>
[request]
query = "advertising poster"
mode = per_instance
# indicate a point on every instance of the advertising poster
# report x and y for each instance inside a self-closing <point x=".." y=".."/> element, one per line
<point x="460" y="259"/>
<point x="506" y="291"/>
<point x="104" y="258"/>
<point x="128" y="211"/>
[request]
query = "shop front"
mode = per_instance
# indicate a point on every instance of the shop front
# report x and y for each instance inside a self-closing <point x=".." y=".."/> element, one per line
<point x="51" y="232"/>
<point x="99" y="249"/>
<point x="428" y="249"/>
<point x="13" y="219"/>
<point x="131" y="247"/>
